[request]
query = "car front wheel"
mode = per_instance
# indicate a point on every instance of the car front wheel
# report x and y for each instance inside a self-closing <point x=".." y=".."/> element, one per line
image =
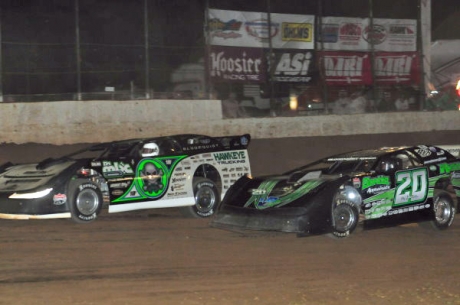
<point x="85" y="201"/>
<point x="345" y="217"/>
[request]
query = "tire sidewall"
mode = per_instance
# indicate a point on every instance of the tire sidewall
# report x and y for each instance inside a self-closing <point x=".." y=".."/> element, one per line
<point x="453" y="210"/>
<point x="211" y="185"/>
<point x="350" y="207"/>
<point x="76" y="214"/>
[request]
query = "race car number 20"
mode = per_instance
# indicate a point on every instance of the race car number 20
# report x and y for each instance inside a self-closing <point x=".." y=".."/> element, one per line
<point x="411" y="186"/>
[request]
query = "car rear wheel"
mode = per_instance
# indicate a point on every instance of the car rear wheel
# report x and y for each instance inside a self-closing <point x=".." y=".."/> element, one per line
<point x="85" y="201"/>
<point x="345" y="217"/>
<point x="443" y="212"/>
<point x="207" y="198"/>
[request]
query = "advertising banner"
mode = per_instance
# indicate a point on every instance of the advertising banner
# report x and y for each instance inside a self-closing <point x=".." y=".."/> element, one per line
<point x="392" y="68"/>
<point x="293" y="66"/>
<point x="356" y="34"/>
<point x="354" y="68"/>
<point x="251" y="29"/>
<point x="234" y="64"/>
<point x="345" y="68"/>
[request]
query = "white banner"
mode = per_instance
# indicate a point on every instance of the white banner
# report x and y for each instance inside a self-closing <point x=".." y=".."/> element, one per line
<point x="251" y="29"/>
<point x="355" y="34"/>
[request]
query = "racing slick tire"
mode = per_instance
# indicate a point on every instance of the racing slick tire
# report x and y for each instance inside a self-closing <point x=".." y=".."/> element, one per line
<point x="442" y="213"/>
<point x="86" y="201"/>
<point x="345" y="218"/>
<point x="207" y="198"/>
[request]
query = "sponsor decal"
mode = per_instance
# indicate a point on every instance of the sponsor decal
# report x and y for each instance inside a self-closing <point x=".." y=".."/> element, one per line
<point x="373" y="181"/>
<point x="87" y="218"/>
<point x="375" y="35"/>
<point x="350" y="32"/>
<point x="119" y="185"/>
<point x="350" y="66"/>
<point x="237" y="64"/>
<point x="424" y="151"/>
<point x="402" y="30"/>
<point x="174" y="180"/>
<point x="263" y="199"/>
<point x="351" y="159"/>
<point x="356" y="183"/>
<point x="116" y="169"/>
<point x="96" y="164"/>
<point x="244" y="141"/>
<point x="407" y="209"/>
<point x="394" y="66"/>
<point x="226" y="30"/>
<point x="329" y="33"/>
<point x="261" y="30"/>
<point x="447" y="168"/>
<point x="176" y="194"/>
<point x="87" y="185"/>
<point x="377" y="189"/>
<point x="341" y="68"/>
<point x="218" y="25"/>
<point x="199" y="147"/>
<point x="117" y="192"/>
<point x="435" y="160"/>
<point x="59" y="199"/>
<point x="293" y="67"/>
<point x="177" y="187"/>
<point x="234" y="157"/>
<point x="296" y="31"/>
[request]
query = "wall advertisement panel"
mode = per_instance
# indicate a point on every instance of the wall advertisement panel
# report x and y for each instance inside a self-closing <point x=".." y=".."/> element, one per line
<point x="354" y="68"/>
<point x="356" y="34"/>
<point x="294" y="66"/>
<point x="235" y="64"/>
<point x="251" y="29"/>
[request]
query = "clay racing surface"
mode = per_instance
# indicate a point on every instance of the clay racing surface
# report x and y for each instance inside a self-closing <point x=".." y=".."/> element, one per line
<point x="159" y="257"/>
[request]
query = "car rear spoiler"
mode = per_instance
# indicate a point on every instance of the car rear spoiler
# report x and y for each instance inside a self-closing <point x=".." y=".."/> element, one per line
<point x="453" y="149"/>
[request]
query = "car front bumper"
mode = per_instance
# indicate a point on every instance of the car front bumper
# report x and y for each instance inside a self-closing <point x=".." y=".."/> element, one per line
<point x="293" y="220"/>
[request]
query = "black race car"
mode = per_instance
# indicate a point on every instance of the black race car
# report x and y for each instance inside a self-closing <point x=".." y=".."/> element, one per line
<point x="189" y="171"/>
<point x="332" y="195"/>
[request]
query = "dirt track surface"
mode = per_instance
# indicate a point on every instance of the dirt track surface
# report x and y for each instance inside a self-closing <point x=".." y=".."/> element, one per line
<point x="158" y="257"/>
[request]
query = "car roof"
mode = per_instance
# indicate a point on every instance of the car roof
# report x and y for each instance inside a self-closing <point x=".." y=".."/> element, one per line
<point x="366" y="153"/>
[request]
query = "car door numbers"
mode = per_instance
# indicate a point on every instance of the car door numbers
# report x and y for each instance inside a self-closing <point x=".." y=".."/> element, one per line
<point x="411" y="186"/>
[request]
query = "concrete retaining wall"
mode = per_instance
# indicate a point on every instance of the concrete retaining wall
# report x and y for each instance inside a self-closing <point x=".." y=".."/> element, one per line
<point x="72" y="122"/>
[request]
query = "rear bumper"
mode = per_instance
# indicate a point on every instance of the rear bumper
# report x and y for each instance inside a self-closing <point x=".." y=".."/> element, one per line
<point x="293" y="220"/>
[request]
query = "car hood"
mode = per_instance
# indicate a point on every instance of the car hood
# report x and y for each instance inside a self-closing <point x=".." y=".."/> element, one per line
<point x="275" y="191"/>
<point x="26" y="177"/>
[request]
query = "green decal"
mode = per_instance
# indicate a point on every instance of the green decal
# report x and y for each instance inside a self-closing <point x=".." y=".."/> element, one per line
<point x="235" y="155"/>
<point x="152" y="178"/>
<point x="446" y="168"/>
<point x="263" y="200"/>
<point x="380" y="204"/>
<point x="380" y="180"/>
<point x="411" y="186"/>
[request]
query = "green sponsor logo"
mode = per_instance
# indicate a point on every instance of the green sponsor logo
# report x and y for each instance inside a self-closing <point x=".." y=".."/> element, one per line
<point x="380" y="180"/>
<point x="235" y="155"/>
<point x="446" y="168"/>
